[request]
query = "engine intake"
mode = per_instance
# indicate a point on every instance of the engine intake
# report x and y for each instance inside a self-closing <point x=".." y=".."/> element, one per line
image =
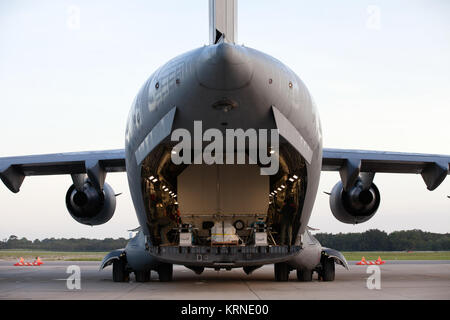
<point x="356" y="205"/>
<point x="89" y="206"/>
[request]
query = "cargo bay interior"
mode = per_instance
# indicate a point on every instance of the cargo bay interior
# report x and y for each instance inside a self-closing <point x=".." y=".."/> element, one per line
<point x="222" y="205"/>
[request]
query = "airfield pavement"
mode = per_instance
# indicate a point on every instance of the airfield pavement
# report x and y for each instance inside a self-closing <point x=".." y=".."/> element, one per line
<point x="400" y="280"/>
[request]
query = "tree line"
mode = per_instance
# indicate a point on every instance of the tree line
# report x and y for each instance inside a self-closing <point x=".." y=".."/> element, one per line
<point x="66" y="245"/>
<point x="376" y="240"/>
<point x="372" y="240"/>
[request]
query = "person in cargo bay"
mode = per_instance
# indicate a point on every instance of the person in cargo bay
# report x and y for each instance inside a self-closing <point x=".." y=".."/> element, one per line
<point x="287" y="217"/>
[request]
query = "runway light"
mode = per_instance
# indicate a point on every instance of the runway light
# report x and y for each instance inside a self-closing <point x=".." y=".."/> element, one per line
<point x="275" y="192"/>
<point x="279" y="189"/>
<point x="295" y="177"/>
<point x="155" y="180"/>
<point x="291" y="180"/>
<point x="283" y="186"/>
<point x="166" y="189"/>
<point x="151" y="178"/>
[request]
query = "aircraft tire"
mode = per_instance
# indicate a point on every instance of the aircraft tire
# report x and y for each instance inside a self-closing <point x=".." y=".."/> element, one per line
<point x="281" y="272"/>
<point x="304" y="275"/>
<point x="142" y="276"/>
<point x="119" y="272"/>
<point x="165" y="272"/>
<point x="328" y="269"/>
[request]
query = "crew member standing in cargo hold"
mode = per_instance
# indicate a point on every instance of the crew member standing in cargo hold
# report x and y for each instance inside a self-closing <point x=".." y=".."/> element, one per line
<point x="287" y="218"/>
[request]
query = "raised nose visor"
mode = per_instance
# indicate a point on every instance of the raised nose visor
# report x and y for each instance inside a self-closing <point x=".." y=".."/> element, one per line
<point x="224" y="67"/>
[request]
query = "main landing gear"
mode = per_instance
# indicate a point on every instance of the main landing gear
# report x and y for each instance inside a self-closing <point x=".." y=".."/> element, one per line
<point x="121" y="273"/>
<point x="142" y="276"/>
<point x="304" y="275"/>
<point x="165" y="273"/>
<point x="282" y="272"/>
<point x="326" y="271"/>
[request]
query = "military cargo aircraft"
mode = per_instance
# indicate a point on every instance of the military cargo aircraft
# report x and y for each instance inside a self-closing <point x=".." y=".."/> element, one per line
<point x="223" y="155"/>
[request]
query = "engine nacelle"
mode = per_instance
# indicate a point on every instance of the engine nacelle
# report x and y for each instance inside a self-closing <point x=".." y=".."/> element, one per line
<point x="89" y="206"/>
<point x="355" y="206"/>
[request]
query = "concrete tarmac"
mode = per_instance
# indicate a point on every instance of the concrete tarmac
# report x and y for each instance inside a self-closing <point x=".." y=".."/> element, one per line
<point x="422" y="280"/>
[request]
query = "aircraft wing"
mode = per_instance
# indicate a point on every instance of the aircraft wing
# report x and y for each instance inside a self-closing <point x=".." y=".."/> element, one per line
<point x="95" y="164"/>
<point x="351" y="163"/>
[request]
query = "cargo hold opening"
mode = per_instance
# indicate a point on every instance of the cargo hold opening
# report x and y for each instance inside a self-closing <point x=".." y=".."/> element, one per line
<point x="222" y="205"/>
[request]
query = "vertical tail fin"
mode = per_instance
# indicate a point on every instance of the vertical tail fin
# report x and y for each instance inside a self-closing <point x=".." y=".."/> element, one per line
<point x="223" y="21"/>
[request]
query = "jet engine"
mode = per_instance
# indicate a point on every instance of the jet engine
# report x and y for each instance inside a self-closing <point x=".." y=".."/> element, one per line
<point x="89" y="206"/>
<point x="357" y="205"/>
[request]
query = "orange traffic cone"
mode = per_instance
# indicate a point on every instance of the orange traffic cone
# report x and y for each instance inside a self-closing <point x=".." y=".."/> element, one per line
<point x="379" y="261"/>
<point x="20" y="263"/>
<point x="362" y="262"/>
<point x="38" y="262"/>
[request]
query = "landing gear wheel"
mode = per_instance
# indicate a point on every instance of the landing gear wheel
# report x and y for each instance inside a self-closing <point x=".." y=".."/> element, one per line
<point x="281" y="272"/>
<point x="142" y="276"/>
<point x="328" y="269"/>
<point x="119" y="272"/>
<point x="165" y="272"/>
<point x="304" y="275"/>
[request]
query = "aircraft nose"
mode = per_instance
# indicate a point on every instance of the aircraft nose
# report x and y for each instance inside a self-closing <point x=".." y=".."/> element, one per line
<point x="224" y="67"/>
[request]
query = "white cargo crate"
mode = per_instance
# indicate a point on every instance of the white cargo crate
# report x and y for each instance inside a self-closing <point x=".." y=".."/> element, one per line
<point x="185" y="239"/>
<point x="223" y="233"/>
<point x="260" y="239"/>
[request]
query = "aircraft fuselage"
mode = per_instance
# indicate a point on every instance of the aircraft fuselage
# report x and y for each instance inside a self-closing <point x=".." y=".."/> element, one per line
<point x="223" y="86"/>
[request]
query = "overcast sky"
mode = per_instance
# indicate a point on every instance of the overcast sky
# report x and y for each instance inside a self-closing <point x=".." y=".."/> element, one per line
<point x="379" y="72"/>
